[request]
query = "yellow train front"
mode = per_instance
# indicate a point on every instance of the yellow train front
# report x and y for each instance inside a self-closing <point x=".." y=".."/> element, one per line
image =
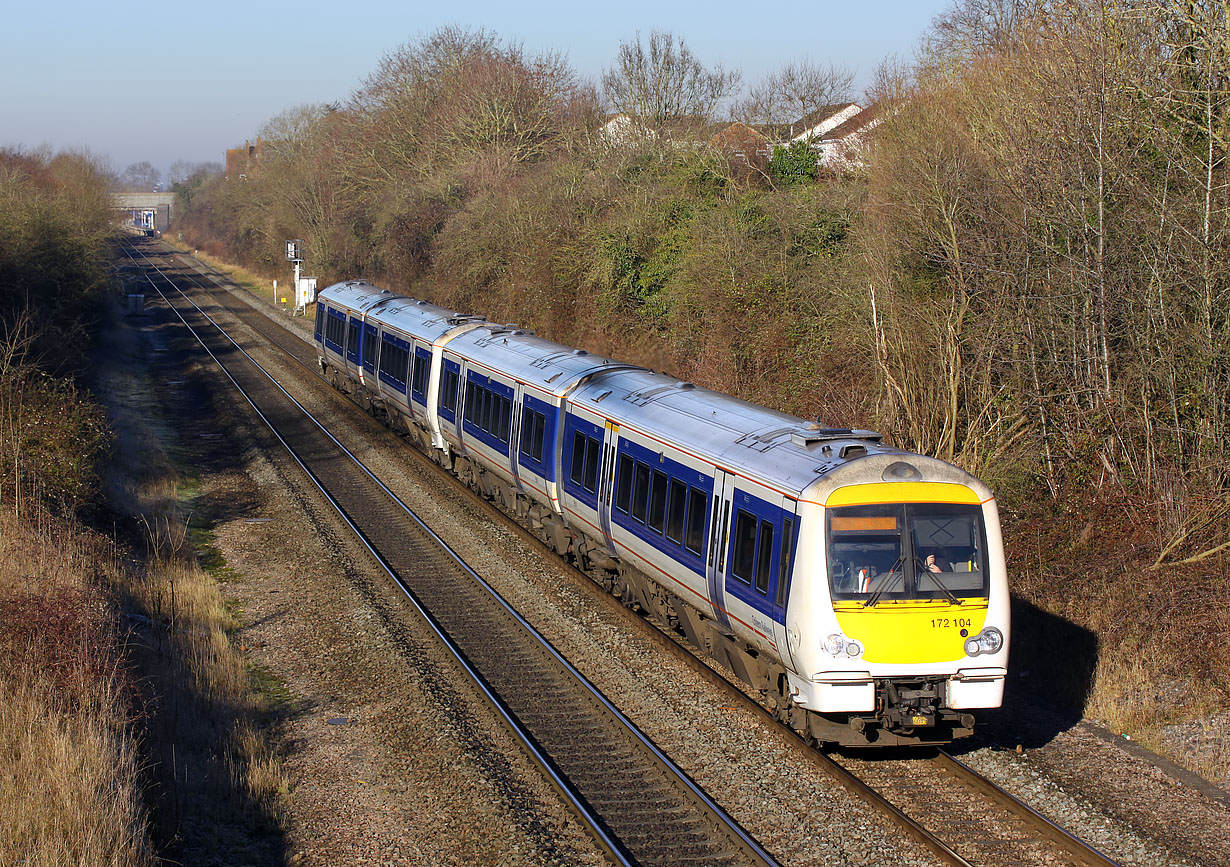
<point x="902" y="585"/>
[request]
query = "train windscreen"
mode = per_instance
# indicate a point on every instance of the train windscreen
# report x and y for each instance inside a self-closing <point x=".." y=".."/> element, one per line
<point x="907" y="551"/>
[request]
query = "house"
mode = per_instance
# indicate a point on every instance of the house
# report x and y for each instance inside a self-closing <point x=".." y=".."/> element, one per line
<point x="621" y="129"/>
<point x="241" y="161"/>
<point x="843" y="146"/>
<point x="683" y="129"/>
<point x="747" y="149"/>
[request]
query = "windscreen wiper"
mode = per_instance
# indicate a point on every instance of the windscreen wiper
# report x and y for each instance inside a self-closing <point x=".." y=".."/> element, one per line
<point x="934" y="576"/>
<point x="884" y="582"/>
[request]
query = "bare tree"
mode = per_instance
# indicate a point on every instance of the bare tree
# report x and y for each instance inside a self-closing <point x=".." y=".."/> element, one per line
<point x="972" y="28"/>
<point x="796" y="90"/>
<point x="183" y="170"/>
<point x="663" y="85"/>
<point x="139" y="176"/>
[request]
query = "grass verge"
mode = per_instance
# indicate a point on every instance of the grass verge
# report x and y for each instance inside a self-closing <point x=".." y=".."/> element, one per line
<point x="71" y="789"/>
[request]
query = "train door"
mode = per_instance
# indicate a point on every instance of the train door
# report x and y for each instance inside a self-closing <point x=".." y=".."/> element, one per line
<point x="514" y="436"/>
<point x="606" y="481"/>
<point x="786" y="643"/>
<point x="719" y="534"/>
<point x="354" y="328"/>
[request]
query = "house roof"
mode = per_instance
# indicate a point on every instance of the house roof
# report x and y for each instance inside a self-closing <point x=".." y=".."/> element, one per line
<point x="867" y="116"/>
<point x="823" y="113"/>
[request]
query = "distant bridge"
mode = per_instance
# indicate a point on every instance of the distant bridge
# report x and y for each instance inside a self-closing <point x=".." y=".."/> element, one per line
<point x="150" y="211"/>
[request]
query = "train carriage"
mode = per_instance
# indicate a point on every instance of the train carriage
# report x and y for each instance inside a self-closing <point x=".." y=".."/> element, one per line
<point x="340" y="330"/>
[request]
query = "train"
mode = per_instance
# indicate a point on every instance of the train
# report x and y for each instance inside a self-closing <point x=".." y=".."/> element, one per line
<point x="860" y="590"/>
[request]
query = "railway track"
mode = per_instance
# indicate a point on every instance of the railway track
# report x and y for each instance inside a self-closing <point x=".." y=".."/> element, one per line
<point x="639" y="807"/>
<point x="959" y="816"/>
<point x="978" y="821"/>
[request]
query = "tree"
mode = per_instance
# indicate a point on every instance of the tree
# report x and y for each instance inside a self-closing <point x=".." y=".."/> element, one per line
<point x="664" y="86"/>
<point x="182" y="171"/>
<point x="139" y="176"/>
<point x="974" y="28"/>
<point x="795" y="91"/>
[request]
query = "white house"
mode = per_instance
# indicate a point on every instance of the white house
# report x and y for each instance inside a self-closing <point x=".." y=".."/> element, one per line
<point x="842" y="146"/>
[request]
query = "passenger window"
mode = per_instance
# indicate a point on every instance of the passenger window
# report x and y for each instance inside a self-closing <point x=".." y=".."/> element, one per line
<point x="657" y="501"/>
<point x="420" y="374"/>
<point x="471" y="403"/>
<point x="744" y="559"/>
<point x="449" y="397"/>
<point x="694" y="541"/>
<point x="369" y="348"/>
<point x="623" y="483"/>
<point x="764" y="558"/>
<point x="540" y="432"/>
<point x="592" y="449"/>
<point x="783" y="569"/>
<point x="403" y="365"/>
<point x="577" y="472"/>
<point x="640" y="492"/>
<point x="527" y="431"/>
<point x="676" y="511"/>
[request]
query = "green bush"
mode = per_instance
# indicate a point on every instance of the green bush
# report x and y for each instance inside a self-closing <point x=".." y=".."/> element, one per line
<point x="794" y="164"/>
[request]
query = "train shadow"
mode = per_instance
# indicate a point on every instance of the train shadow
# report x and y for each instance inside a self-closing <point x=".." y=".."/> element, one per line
<point x="1050" y="673"/>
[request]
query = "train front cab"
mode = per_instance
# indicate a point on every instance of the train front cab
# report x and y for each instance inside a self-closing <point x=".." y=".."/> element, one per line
<point x="912" y="648"/>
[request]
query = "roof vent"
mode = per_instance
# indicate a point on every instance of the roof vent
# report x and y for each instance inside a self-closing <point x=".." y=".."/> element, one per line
<point x="687" y="386"/>
<point x="853" y="451"/>
<point x="579" y="352"/>
<point x="814" y="433"/>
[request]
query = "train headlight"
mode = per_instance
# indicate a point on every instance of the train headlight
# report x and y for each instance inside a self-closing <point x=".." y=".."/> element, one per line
<point x="838" y="645"/>
<point x="989" y="640"/>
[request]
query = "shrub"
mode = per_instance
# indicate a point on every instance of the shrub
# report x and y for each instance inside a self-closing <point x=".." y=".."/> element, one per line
<point x="794" y="164"/>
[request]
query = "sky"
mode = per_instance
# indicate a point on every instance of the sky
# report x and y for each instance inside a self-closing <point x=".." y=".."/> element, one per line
<point x="184" y="81"/>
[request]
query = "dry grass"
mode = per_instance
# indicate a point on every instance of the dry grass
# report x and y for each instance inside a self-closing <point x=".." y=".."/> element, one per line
<point x="129" y="729"/>
<point x="219" y="781"/>
<point x="70" y="786"/>
<point x="258" y="285"/>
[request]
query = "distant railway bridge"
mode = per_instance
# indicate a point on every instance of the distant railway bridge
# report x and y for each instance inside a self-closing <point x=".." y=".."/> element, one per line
<point x="148" y="211"/>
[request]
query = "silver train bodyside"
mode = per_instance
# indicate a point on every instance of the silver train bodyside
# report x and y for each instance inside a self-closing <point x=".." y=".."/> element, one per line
<point x="791" y="553"/>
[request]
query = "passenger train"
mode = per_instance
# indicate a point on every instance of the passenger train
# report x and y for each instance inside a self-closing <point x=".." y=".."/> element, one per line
<point x="860" y="589"/>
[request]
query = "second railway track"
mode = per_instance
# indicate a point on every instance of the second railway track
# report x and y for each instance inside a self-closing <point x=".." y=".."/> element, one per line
<point x="642" y="807"/>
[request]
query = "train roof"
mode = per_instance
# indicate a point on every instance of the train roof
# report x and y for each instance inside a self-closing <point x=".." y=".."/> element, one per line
<point x="788" y="453"/>
<point x="543" y="364"/>
<point x="402" y="313"/>
<point x="798" y="457"/>
<point x="783" y="451"/>
<point x="356" y="294"/>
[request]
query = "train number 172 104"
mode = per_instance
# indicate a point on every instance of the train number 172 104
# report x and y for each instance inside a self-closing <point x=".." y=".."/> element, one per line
<point x="950" y="622"/>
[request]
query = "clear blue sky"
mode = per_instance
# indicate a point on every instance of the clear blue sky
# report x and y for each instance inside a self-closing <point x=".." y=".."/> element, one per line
<point x="168" y="81"/>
